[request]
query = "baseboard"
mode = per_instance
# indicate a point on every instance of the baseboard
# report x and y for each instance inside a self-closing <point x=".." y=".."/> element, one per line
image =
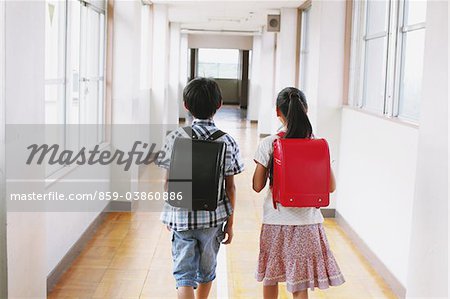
<point x="252" y="121"/>
<point x="119" y="206"/>
<point x="65" y="263"/>
<point x="263" y="135"/>
<point x="395" y="285"/>
<point x="328" y="213"/>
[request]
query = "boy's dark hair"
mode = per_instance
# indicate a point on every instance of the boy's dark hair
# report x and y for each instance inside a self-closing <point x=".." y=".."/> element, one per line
<point x="202" y="97"/>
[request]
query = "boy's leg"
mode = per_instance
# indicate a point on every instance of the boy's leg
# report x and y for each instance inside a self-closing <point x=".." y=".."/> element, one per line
<point x="185" y="293"/>
<point x="270" y="291"/>
<point x="209" y="243"/>
<point x="185" y="256"/>
<point x="203" y="290"/>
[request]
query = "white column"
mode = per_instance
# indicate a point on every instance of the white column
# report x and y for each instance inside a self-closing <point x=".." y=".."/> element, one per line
<point x="126" y="88"/>
<point x="158" y="114"/>
<point x="174" y="74"/>
<point x="126" y="60"/>
<point x="255" y="81"/>
<point x="184" y="69"/>
<point x="285" y="64"/>
<point x="286" y="49"/>
<point x="267" y="113"/>
<point x="428" y="261"/>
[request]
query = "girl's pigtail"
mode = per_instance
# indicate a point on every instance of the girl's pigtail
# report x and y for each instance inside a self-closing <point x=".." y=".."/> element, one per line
<point x="298" y="124"/>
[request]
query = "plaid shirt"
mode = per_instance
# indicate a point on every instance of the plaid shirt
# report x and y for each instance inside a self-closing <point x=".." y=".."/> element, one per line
<point x="180" y="219"/>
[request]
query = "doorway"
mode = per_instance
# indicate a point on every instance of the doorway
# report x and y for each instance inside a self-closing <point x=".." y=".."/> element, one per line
<point x="228" y="67"/>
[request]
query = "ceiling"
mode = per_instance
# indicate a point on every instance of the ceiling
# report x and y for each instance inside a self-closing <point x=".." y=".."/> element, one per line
<point x="213" y="15"/>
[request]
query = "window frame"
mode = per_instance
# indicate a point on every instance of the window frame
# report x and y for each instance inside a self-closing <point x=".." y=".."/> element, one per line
<point x="99" y="6"/>
<point x="394" y="57"/>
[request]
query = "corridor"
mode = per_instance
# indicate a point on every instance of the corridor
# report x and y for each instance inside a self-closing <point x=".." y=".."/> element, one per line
<point x="130" y="254"/>
<point x="90" y="89"/>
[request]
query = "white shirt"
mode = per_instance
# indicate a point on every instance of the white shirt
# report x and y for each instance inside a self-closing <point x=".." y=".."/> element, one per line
<point x="282" y="215"/>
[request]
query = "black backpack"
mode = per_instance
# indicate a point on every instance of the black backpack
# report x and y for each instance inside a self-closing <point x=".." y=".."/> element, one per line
<point x="196" y="174"/>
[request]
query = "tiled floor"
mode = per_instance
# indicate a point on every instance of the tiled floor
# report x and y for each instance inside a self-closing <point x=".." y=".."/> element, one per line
<point x="129" y="257"/>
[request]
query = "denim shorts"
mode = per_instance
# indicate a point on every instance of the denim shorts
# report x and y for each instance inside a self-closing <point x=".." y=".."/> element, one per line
<point x="194" y="254"/>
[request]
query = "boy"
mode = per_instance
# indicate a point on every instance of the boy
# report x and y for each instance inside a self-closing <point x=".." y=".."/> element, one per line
<point x="196" y="235"/>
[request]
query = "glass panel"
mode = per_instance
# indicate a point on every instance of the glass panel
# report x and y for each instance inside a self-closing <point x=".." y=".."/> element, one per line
<point x="218" y="63"/>
<point x="375" y="75"/>
<point x="73" y="112"/>
<point x="55" y="55"/>
<point x="54" y="103"/>
<point x="411" y="74"/>
<point x="415" y="11"/>
<point x="377" y="16"/>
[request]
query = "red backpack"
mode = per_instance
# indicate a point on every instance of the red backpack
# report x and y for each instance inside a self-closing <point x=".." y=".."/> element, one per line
<point x="301" y="172"/>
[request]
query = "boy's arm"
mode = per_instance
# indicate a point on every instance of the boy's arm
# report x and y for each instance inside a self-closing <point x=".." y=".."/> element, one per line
<point x="230" y="189"/>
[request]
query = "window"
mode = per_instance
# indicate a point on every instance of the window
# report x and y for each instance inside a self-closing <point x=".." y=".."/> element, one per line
<point x="412" y="39"/>
<point x="75" y="36"/>
<point x="218" y="63"/>
<point x="387" y="57"/>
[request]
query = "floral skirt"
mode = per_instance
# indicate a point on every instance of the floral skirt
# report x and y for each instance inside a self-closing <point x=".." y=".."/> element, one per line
<point x="298" y="255"/>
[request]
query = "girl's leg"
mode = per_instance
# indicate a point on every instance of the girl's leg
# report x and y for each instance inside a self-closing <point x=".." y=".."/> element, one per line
<point x="300" y="295"/>
<point x="270" y="292"/>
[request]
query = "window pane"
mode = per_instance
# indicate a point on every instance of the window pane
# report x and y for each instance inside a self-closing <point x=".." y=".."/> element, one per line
<point x="377" y="16"/>
<point x="55" y="55"/>
<point x="54" y="105"/>
<point x="218" y="63"/>
<point x="411" y="74"/>
<point x="375" y="75"/>
<point x="415" y="11"/>
<point x="74" y="65"/>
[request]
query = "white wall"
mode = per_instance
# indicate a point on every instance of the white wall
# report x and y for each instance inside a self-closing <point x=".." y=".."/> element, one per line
<point x="66" y="227"/>
<point x="3" y="245"/>
<point x="428" y="261"/>
<point x="24" y="88"/>
<point x="325" y="72"/>
<point x="218" y="41"/>
<point x="375" y="184"/>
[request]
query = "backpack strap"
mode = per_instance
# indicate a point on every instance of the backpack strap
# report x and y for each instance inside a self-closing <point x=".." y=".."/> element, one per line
<point x="191" y="133"/>
<point x="216" y="135"/>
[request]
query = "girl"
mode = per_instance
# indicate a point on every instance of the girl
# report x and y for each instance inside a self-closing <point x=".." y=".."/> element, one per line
<point x="293" y="244"/>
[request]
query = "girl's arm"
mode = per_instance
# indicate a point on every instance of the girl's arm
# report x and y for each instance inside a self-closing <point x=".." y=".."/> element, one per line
<point x="332" y="181"/>
<point x="259" y="177"/>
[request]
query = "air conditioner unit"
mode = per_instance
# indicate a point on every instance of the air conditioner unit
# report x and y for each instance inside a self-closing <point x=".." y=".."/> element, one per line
<point x="273" y="23"/>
